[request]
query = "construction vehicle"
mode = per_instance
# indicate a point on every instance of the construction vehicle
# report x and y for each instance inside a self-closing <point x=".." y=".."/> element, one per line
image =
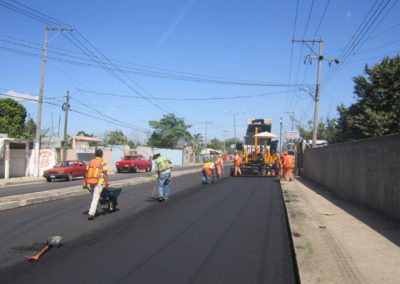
<point x="258" y="153"/>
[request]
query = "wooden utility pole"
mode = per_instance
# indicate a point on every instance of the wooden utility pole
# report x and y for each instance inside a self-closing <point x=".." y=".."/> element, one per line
<point x="40" y="102"/>
<point x="65" y="125"/>
<point x="317" y="90"/>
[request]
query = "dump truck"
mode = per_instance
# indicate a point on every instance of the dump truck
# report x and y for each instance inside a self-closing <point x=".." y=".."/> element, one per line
<point x="258" y="154"/>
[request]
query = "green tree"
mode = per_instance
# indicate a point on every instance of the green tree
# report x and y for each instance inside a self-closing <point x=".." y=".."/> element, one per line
<point x="215" y="144"/>
<point x="326" y="130"/>
<point x="30" y="129"/>
<point x="377" y="110"/>
<point x="12" y="118"/>
<point x="168" y="131"/>
<point x="83" y="133"/>
<point x="115" y="138"/>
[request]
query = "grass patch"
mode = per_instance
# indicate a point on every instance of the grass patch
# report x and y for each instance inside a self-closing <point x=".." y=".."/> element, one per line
<point x="308" y="243"/>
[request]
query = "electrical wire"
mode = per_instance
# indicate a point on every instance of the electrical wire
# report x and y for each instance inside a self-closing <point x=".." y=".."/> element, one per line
<point x="358" y="38"/>
<point x="322" y="18"/>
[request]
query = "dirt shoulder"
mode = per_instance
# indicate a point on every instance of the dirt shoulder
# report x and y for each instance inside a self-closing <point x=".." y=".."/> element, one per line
<point x="338" y="241"/>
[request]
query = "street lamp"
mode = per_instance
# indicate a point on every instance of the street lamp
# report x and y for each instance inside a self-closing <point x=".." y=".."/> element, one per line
<point x="234" y="123"/>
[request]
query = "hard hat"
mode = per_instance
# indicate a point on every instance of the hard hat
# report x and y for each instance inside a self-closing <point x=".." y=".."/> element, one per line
<point x="285" y="153"/>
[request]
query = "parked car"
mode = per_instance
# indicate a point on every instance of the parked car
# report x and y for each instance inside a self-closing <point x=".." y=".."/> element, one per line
<point x="134" y="163"/>
<point x="66" y="170"/>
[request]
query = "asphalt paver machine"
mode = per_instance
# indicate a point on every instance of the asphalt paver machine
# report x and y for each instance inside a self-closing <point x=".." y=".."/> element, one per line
<point x="258" y="153"/>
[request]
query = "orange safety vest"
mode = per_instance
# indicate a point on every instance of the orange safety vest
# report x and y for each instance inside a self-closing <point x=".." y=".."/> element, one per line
<point x="94" y="171"/>
<point x="208" y="167"/>
<point x="288" y="163"/>
<point x="238" y="161"/>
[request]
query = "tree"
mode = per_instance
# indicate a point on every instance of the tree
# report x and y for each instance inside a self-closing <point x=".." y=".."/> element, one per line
<point x="168" y="131"/>
<point x="12" y="118"/>
<point x="30" y="129"/>
<point x="377" y="110"/>
<point x="197" y="138"/>
<point x="215" y="144"/>
<point x="115" y="138"/>
<point x="325" y="130"/>
<point x="83" y="133"/>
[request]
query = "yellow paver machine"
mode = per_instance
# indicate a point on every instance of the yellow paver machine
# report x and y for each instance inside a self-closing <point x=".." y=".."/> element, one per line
<point x="258" y="153"/>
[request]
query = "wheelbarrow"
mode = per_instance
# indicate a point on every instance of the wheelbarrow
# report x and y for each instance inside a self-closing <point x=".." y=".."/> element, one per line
<point x="110" y="197"/>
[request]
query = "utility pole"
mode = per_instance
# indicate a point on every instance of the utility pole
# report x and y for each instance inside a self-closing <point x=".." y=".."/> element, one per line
<point x="40" y="102"/>
<point x="65" y="107"/>
<point x="320" y="58"/>
<point x="205" y="136"/>
<point x="225" y="131"/>
<point x="280" y="140"/>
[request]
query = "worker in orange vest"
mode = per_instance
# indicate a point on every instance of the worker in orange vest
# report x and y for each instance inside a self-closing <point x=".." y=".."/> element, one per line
<point x="287" y="166"/>
<point x="279" y="166"/>
<point x="207" y="170"/>
<point x="237" y="163"/>
<point x="220" y="166"/>
<point x="96" y="180"/>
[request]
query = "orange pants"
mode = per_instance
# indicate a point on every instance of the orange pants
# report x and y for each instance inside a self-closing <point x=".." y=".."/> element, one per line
<point x="287" y="171"/>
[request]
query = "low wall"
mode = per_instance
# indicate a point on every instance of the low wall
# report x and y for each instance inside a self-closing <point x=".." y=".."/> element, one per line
<point x="366" y="171"/>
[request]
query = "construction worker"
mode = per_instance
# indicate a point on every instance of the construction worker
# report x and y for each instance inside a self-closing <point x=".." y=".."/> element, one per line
<point x="279" y="166"/>
<point x="237" y="163"/>
<point x="287" y="166"/>
<point x="220" y="166"/>
<point x="207" y="170"/>
<point x="96" y="180"/>
<point x="163" y="166"/>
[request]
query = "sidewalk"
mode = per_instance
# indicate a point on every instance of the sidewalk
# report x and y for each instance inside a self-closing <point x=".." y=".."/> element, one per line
<point x="338" y="241"/>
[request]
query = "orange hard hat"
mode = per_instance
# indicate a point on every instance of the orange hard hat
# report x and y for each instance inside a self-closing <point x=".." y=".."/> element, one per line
<point x="285" y="153"/>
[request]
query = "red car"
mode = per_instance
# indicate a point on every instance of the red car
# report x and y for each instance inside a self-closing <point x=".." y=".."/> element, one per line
<point x="134" y="163"/>
<point x="66" y="170"/>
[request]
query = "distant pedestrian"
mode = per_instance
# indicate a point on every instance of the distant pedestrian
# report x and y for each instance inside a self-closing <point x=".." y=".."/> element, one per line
<point x="207" y="170"/>
<point x="163" y="167"/>
<point x="287" y="166"/>
<point x="96" y="179"/>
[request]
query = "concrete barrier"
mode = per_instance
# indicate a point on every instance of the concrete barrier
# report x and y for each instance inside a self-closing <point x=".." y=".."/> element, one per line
<point x="366" y="171"/>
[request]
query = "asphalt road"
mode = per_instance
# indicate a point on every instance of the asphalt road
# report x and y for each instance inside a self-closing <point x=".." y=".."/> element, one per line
<point x="234" y="231"/>
<point x="59" y="183"/>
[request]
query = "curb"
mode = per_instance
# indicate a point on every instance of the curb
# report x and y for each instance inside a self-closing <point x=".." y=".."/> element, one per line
<point x="16" y="201"/>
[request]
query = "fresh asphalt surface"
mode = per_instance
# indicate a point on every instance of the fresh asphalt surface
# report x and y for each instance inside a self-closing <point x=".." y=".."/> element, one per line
<point x="234" y="231"/>
<point x="9" y="190"/>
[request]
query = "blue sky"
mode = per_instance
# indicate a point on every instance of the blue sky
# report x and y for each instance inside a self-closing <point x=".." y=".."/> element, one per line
<point x="203" y="49"/>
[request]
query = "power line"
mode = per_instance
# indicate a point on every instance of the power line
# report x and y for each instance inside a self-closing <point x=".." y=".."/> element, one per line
<point x="184" y="99"/>
<point x="322" y="18"/>
<point x="358" y="37"/>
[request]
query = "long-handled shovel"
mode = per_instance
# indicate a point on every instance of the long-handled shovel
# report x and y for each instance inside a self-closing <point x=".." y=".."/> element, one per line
<point x="51" y="242"/>
<point x="151" y="198"/>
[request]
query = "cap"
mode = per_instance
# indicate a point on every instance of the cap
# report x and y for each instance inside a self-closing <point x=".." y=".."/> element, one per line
<point x="156" y="154"/>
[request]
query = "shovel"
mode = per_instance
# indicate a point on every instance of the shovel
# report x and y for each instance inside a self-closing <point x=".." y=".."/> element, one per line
<point x="51" y="242"/>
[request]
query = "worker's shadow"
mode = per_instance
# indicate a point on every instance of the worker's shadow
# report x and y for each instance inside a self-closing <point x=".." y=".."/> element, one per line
<point x="101" y="211"/>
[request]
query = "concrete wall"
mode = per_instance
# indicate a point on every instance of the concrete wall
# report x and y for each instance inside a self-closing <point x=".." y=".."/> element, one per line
<point x="175" y="156"/>
<point x="117" y="155"/>
<point x="366" y="171"/>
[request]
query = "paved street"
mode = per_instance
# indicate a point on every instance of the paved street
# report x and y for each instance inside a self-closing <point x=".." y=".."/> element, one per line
<point x="9" y="190"/>
<point x="234" y="231"/>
